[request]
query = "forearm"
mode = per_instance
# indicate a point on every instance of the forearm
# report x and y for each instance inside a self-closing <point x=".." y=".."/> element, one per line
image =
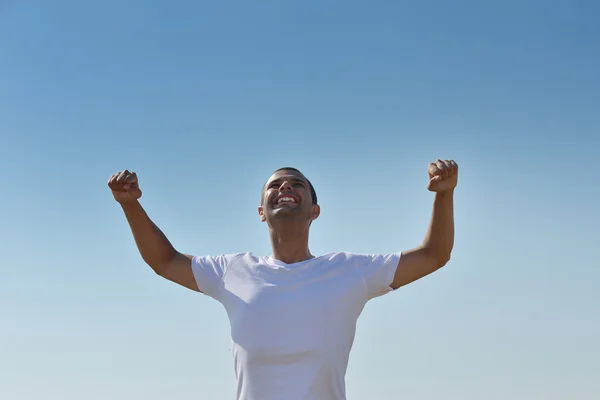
<point x="439" y="239"/>
<point x="155" y="248"/>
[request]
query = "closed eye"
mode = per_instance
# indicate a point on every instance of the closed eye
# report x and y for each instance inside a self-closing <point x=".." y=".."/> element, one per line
<point x="276" y="184"/>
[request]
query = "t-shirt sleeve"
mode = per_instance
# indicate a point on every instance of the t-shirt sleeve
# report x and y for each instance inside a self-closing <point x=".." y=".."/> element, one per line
<point x="209" y="272"/>
<point x="378" y="272"/>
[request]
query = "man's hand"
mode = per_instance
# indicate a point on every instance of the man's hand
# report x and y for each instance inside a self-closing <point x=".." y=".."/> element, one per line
<point x="124" y="186"/>
<point x="443" y="176"/>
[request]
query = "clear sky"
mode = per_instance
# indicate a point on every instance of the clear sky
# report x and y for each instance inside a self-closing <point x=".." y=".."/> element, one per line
<point x="204" y="99"/>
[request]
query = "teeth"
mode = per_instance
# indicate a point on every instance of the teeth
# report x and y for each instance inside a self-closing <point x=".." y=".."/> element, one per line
<point x="287" y="199"/>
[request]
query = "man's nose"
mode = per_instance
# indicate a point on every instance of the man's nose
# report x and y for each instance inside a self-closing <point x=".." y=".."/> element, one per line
<point x="285" y="186"/>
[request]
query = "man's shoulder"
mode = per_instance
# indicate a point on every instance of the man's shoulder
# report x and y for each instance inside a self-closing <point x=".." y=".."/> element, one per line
<point x="344" y="258"/>
<point x="222" y="259"/>
<point x="343" y="255"/>
<point x="358" y="259"/>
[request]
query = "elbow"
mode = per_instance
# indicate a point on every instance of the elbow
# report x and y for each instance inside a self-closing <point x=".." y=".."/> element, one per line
<point x="159" y="263"/>
<point x="159" y="268"/>
<point x="437" y="257"/>
<point x="440" y="259"/>
<point x="443" y="260"/>
<point x="160" y="271"/>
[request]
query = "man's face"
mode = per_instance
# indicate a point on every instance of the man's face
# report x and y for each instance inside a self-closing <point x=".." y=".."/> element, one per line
<point x="287" y="195"/>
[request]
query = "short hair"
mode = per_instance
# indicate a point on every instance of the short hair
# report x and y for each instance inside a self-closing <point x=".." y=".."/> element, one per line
<point x="313" y="193"/>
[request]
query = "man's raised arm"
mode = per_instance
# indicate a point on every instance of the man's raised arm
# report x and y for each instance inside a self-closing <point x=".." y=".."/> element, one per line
<point x="437" y="246"/>
<point x="155" y="248"/>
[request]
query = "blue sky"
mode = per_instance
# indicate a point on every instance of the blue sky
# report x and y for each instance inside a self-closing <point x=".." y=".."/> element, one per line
<point x="203" y="101"/>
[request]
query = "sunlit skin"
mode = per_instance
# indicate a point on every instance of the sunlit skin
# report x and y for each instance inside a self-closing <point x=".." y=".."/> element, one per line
<point x="289" y="225"/>
<point x="289" y="221"/>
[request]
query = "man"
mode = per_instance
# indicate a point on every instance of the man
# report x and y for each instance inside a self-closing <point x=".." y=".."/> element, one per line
<point x="293" y="315"/>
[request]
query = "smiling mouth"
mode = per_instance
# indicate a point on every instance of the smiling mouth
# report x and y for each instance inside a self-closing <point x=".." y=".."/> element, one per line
<point x="285" y="200"/>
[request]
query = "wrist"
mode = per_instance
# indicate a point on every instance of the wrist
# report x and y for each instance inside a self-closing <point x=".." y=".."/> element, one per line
<point x="130" y="205"/>
<point x="445" y="193"/>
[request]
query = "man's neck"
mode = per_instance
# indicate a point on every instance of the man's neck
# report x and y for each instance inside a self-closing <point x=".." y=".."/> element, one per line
<point x="290" y="245"/>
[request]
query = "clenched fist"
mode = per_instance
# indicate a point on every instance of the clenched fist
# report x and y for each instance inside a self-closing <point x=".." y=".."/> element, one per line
<point x="443" y="175"/>
<point x="124" y="186"/>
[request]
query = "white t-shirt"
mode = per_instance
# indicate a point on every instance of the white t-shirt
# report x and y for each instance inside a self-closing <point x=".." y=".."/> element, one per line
<point x="293" y="325"/>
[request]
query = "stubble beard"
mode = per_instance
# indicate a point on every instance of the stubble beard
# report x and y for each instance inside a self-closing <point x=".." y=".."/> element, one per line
<point x="288" y="213"/>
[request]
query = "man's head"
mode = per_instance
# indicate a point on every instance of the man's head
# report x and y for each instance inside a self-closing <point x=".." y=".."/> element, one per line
<point x="288" y="194"/>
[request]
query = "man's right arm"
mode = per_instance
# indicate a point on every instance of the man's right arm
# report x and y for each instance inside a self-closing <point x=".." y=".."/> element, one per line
<point x="153" y="245"/>
<point x="156" y="250"/>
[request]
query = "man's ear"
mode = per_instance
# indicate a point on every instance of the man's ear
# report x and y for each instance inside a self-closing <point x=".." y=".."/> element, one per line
<point x="261" y="213"/>
<point x="315" y="212"/>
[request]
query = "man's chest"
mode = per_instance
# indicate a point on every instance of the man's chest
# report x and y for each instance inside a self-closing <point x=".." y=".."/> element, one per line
<point x="289" y="313"/>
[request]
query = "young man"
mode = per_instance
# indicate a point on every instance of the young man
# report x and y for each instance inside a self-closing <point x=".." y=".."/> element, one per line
<point x="293" y="315"/>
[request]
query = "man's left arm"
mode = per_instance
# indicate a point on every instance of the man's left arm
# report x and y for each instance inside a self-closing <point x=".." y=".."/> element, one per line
<point x="436" y="248"/>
